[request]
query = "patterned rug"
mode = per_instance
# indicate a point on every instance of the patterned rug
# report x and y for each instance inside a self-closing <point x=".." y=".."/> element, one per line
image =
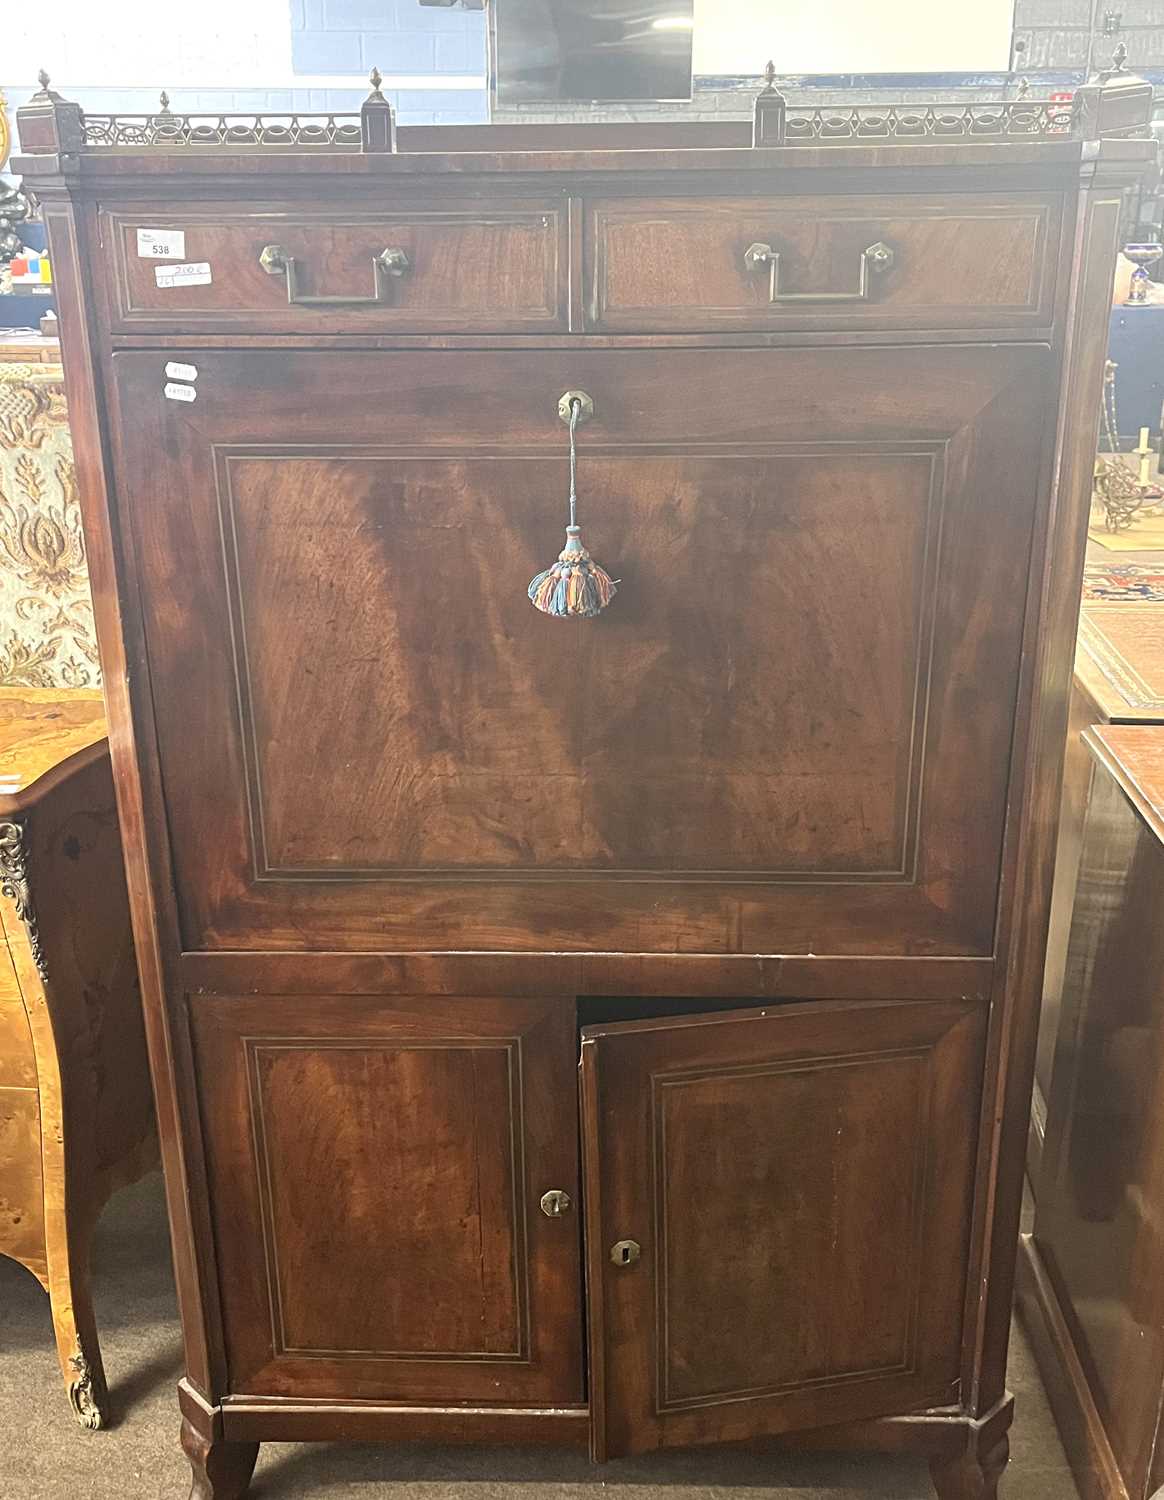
<point x="1126" y="643"/>
<point x="1122" y="581"/>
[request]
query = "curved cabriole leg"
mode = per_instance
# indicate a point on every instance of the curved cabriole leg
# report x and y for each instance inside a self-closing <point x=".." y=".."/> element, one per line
<point x="971" y="1476"/>
<point x="88" y="1395"/>
<point x="76" y="1330"/>
<point x="222" y="1470"/>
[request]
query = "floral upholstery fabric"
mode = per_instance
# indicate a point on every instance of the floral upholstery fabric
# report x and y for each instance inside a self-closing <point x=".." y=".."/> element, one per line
<point x="46" y="614"/>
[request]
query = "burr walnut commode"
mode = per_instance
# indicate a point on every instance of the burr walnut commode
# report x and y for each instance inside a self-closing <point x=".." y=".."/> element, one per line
<point x="767" y="845"/>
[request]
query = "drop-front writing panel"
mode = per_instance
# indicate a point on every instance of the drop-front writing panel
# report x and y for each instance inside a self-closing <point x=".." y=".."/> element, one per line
<point x="772" y="741"/>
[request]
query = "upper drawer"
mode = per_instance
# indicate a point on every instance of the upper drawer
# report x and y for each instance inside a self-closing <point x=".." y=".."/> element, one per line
<point x="498" y="269"/>
<point x="690" y="265"/>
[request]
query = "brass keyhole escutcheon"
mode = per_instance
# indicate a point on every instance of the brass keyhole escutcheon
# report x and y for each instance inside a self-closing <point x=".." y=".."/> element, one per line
<point x="625" y="1252"/>
<point x="555" y="1203"/>
<point x="585" y="406"/>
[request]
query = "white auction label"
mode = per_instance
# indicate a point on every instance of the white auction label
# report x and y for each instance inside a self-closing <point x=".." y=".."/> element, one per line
<point x="180" y="393"/>
<point x="196" y="273"/>
<point x="161" y="244"/>
<point x="181" y="372"/>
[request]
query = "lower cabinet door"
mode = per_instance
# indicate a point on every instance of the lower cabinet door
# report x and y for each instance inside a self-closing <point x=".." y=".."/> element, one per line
<point x="376" y="1168"/>
<point x="778" y="1213"/>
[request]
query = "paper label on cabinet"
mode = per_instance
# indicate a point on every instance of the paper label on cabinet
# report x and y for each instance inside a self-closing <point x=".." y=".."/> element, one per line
<point x="176" y="371"/>
<point x="180" y="393"/>
<point x="161" y="244"/>
<point x="196" y="273"/>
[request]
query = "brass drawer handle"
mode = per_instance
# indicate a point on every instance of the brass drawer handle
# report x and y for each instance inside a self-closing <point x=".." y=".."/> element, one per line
<point x="874" y="259"/>
<point x="385" y="266"/>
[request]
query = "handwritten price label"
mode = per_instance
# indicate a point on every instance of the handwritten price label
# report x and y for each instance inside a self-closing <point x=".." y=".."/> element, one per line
<point x="197" y="273"/>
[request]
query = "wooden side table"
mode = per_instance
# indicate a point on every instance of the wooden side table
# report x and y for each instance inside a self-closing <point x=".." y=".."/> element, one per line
<point x="76" y="1113"/>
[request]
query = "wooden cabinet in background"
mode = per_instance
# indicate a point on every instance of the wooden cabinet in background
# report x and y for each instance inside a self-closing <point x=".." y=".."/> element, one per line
<point x="1119" y="679"/>
<point x="1093" y="1269"/>
<point x="753" y="843"/>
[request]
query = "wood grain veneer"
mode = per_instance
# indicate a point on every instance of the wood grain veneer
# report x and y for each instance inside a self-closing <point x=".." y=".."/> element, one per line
<point x="395" y="834"/>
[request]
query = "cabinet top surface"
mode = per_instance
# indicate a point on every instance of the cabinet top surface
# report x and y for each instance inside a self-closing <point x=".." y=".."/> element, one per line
<point x="45" y="731"/>
<point x="1133" y="754"/>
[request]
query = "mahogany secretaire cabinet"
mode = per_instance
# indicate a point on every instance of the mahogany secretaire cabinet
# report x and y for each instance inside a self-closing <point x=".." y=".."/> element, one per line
<point x="765" y="846"/>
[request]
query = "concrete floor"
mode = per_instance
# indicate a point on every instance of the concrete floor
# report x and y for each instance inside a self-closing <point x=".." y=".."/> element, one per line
<point x="44" y="1456"/>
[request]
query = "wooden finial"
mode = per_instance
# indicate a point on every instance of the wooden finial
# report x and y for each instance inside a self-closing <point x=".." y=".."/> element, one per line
<point x="377" y="119"/>
<point x="768" y="123"/>
<point x="48" y="123"/>
<point x="45" y="92"/>
<point x="1113" y="103"/>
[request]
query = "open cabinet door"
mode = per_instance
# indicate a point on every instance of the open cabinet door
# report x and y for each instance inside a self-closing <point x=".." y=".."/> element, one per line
<point x="777" y="1208"/>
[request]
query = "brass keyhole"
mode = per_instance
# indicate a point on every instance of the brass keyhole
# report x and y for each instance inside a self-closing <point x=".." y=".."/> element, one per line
<point x="555" y="1203"/>
<point x="625" y="1252"/>
<point x="566" y="404"/>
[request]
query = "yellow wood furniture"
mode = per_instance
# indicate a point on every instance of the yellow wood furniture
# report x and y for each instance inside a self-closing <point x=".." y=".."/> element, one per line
<point x="23" y="348"/>
<point x="76" y="1117"/>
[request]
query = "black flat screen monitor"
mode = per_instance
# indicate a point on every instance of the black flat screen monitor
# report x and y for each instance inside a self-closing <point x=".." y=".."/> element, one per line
<point x="584" y="51"/>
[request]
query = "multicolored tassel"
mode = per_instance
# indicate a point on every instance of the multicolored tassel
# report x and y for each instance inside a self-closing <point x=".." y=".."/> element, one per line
<point x="575" y="586"/>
